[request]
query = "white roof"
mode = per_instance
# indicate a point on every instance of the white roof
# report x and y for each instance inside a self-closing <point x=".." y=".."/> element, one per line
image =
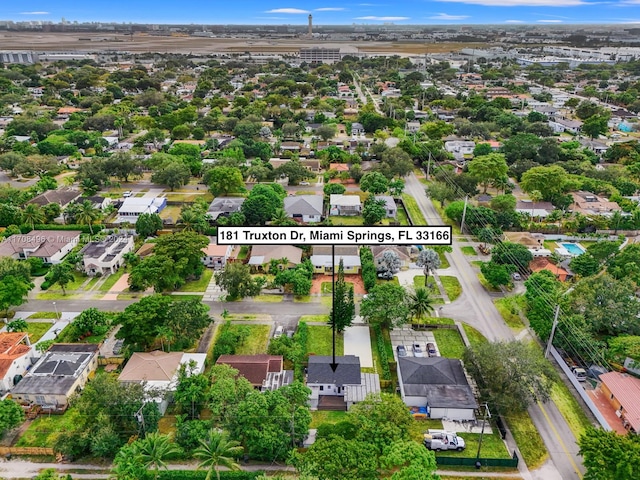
<point x="348" y="261"/>
<point x="140" y="205"/>
<point x="345" y="200"/>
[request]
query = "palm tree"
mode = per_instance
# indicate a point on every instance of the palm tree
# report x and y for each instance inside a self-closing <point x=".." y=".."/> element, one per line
<point x="32" y="214"/>
<point x="535" y="197"/>
<point x="280" y="217"/>
<point x="420" y="303"/>
<point x="154" y="450"/>
<point x="189" y="220"/>
<point x="429" y="260"/>
<point x="87" y="214"/>
<point x="218" y="450"/>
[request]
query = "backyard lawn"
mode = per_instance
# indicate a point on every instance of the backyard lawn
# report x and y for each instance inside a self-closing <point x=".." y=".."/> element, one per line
<point x="413" y="210"/>
<point x="326" y="416"/>
<point x="347" y="220"/>
<point x="257" y="340"/>
<point x="451" y="286"/>
<point x="45" y="429"/>
<point x="320" y="341"/>
<point x="449" y="342"/>
<point x="172" y="212"/>
<point x="199" y="285"/>
<point x="244" y="251"/>
<point x="37" y="329"/>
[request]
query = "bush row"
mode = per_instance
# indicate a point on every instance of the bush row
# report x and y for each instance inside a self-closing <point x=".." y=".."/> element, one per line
<point x="201" y="475"/>
<point x="369" y="272"/>
<point x="382" y="353"/>
<point x="83" y="228"/>
<point x="300" y="338"/>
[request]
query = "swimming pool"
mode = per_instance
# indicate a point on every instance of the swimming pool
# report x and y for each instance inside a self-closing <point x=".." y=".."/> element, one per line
<point x="574" y="249"/>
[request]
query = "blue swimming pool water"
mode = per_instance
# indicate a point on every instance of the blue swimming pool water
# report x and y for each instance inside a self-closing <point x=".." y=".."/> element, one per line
<point x="572" y="248"/>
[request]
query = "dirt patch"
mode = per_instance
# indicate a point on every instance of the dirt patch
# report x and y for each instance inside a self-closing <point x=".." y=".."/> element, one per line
<point x="356" y="280"/>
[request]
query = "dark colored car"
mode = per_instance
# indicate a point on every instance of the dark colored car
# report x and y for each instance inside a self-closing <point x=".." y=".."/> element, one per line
<point x="431" y="349"/>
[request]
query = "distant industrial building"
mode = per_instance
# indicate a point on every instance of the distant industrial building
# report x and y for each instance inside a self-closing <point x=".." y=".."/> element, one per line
<point x="320" y="55"/>
<point x="25" y="58"/>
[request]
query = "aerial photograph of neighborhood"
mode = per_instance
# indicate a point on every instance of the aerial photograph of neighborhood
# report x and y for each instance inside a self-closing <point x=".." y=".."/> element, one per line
<point x="467" y="305"/>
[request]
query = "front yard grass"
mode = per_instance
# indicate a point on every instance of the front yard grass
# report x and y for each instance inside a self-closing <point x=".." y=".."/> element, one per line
<point x="444" y="261"/>
<point x="45" y="429"/>
<point x="257" y="340"/>
<point x="474" y="336"/>
<point x="347" y="220"/>
<point x="320" y="341"/>
<point x="268" y="298"/>
<point x="569" y="408"/>
<point x="199" y="285"/>
<point x="180" y="297"/>
<point x="449" y="342"/>
<point x="413" y="210"/>
<point x="451" y="286"/>
<point x="78" y="280"/>
<point x="492" y="446"/>
<point x="326" y="416"/>
<point x="37" y="329"/>
<point x="39" y="315"/>
<point x="528" y="439"/>
<point x="57" y="296"/>
<point x="418" y="282"/>
<point x="111" y="280"/>
<point x="468" y="250"/>
<point x="509" y="308"/>
<point x="327" y="287"/>
<point x="301" y="298"/>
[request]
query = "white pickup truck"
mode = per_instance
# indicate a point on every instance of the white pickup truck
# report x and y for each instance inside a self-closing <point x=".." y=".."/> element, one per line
<point x="439" y="440"/>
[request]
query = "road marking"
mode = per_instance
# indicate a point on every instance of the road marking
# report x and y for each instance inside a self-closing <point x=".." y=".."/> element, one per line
<point x="564" y="447"/>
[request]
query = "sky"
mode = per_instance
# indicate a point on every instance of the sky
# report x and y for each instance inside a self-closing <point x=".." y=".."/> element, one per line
<point x="328" y="12"/>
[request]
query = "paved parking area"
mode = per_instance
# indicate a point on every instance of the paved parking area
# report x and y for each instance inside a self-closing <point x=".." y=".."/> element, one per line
<point x="358" y="343"/>
<point x="408" y="336"/>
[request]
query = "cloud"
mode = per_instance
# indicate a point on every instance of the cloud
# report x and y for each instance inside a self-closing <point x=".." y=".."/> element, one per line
<point x="34" y="13"/>
<point x="289" y="11"/>
<point x="514" y="21"/>
<point x="329" y="9"/>
<point x="382" y="19"/>
<point x="549" y="21"/>
<point x="521" y="3"/>
<point x="446" y="16"/>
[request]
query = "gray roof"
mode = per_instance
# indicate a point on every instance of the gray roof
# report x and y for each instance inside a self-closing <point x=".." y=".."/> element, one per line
<point x="303" y="205"/>
<point x="225" y="205"/>
<point x="441" y="380"/>
<point x="113" y="244"/>
<point x="390" y="203"/>
<point x="347" y="373"/>
<point x="369" y="383"/>
<point x="62" y="197"/>
<point x="344" y="200"/>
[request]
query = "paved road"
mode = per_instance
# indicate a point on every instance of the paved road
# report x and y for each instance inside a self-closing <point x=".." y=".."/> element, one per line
<point x="476" y="308"/>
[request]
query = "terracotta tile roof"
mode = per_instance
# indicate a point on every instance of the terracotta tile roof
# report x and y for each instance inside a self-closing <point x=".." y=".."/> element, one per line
<point x="253" y="367"/>
<point x="626" y="389"/>
<point x="542" y="263"/>
<point x="11" y="347"/>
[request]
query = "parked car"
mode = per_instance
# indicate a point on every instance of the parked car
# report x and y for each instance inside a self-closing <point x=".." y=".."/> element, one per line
<point x="305" y="183"/>
<point x="431" y="350"/>
<point x="516" y="276"/>
<point x="279" y="331"/>
<point x="442" y="440"/>
<point x="127" y="194"/>
<point x="402" y="351"/>
<point x="417" y="350"/>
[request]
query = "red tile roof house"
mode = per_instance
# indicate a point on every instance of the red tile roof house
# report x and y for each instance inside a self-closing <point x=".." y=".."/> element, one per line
<point x="16" y="354"/>
<point x="263" y="371"/>
<point x="543" y="263"/>
<point x="623" y="392"/>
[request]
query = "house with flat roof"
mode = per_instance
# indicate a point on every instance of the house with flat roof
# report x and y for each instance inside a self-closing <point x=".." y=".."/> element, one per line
<point x="344" y="204"/>
<point x="49" y="245"/>
<point x="225" y="206"/>
<point x="623" y="392"/>
<point x="439" y="384"/>
<point x="304" y="208"/>
<point x="264" y="372"/>
<point x="106" y="256"/>
<point x="133" y="207"/>
<point x="323" y="260"/>
<point x="16" y="357"/>
<point x="463" y="147"/>
<point x="62" y="371"/>
<point x="158" y="372"/>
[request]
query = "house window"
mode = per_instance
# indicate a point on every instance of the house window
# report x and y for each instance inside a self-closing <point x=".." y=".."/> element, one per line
<point x="321" y="388"/>
<point x="40" y="399"/>
<point x="611" y="397"/>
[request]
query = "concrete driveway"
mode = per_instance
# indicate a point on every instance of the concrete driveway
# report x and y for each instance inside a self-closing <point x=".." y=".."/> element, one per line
<point x="358" y="343"/>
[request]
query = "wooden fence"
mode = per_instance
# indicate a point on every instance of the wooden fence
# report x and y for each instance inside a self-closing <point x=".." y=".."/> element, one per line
<point x="26" y="451"/>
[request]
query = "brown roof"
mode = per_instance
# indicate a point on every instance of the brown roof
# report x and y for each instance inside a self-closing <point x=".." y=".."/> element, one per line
<point x="11" y="347"/>
<point x="152" y="366"/>
<point x="42" y="243"/>
<point x="253" y="367"/>
<point x="62" y="196"/>
<point x="543" y="263"/>
<point x="265" y="253"/>
<point x="626" y="389"/>
<point x="524" y="238"/>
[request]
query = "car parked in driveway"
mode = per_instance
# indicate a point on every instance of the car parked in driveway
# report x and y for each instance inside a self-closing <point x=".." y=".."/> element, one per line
<point x="279" y="331"/>
<point x="417" y="350"/>
<point x="431" y="350"/>
<point x="402" y="351"/>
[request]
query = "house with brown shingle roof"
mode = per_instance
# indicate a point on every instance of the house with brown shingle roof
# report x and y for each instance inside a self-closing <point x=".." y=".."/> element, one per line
<point x="62" y="196"/>
<point x="263" y="371"/>
<point x="16" y="354"/>
<point x="49" y="245"/>
<point x="623" y="392"/>
<point x="261" y="255"/>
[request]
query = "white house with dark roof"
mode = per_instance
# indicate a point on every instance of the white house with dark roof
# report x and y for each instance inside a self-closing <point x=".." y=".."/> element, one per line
<point x="49" y="245"/>
<point x="106" y="256"/>
<point x="305" y="208"/>
<point x="225" y="206"/>
<point x="324" y="262"/>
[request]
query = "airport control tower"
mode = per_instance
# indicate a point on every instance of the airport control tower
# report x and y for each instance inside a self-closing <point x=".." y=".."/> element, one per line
<point x="310" y="32"/>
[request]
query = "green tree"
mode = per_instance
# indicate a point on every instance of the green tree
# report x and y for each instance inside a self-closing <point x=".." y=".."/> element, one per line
<point x="13" y="290"/>
<point x="507" y="253"/>
<point x="18" y="325"/>
<point x="374" y="182"/>
<point x="386" y="306"/>
<point x="609" y="456"/>
<point x="90" y="322"/>
<point x="326" y="132"/>
<point x="356" y="461"/>
<point x="512" y="374"/>
<point x="185" y="249"/>
<point x="585" y="265"/>
<point x="11" y="415"/>
<point x="223" y="181"/>
<point x="87" y="214"/>
<point x="374" y="210"/>
<point x="51" y="211"/>
<point x="344" y="307"/>
<point x="333" y="189"/>
<point x="141" y="320"/>
<point x="191" y="391"/>
<point x="148" y="224"/>
<point x="61" y="274"/>
<point x="541" y="286"/>
<point x="441" y="192"/>
<point x="127" y="464"/>
<point x="487" y="168"/>
<point x="550" y="181"/>
<point x="121" y="165"/>
<point x="409" y="460"/>
<point x="420" y="303"/>
<point x="429" y="260"/>
<point x="32" y="215"/>
<point x="503" y="203"/>
<point x="174" y="175"/>
<point x="157" y="271"/>
<point x="262" y="203"/>
<point x="154" y="449"/>
<point x="396" y="187"/>
<point x="236" y="279"/>
<point x="294" y="171"/>
<point x="596" y="125"/>
<point x="497" y="274"/>
<point x="218" y="451"/>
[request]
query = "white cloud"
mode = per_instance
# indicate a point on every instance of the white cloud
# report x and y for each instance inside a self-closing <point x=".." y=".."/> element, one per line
<point x="521" y="3"/>
<point x="514" y="21"/>
<point x="329" y="9"/>
<point x="290" y="11"/>
<point x="446" y="16"/>
<point x="34" y="13"/>
<point x="382" y="19"/>
<point x="549" y="21"/>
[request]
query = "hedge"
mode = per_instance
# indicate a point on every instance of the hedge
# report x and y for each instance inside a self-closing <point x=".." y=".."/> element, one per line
<point x="300" y="338"/>
<point x="382" y="353"/>
<point x="369" y="271"/>
<point x="202" y="474"/>
<point x="83" y="228"/>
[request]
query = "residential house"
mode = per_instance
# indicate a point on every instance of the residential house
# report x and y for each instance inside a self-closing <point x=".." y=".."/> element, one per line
<point x="49" y="245"/>
<point x="403" y="253"/>
<point x="323" y="260"/>
<point x="158" y="372"/>
<point x="439" y="384"/>
<point x="357" y="129"/>
<point x="305" y="208"/>
<point x="462" y="147"/>
<point x="534" y="209"/>
<point x="16" y="357"/>
<point x="291" y="146"/>
<point x="344" y="205"/>
<point x="62" y="371"/>
<point x="101" y="203"/>
<point x="543" y="263"/>
<point x="588" y="203"/>
<point x="133" y="207"/>
<point x="261" y="255"/>
<point x="106" y="256"/>
<point x="595" y="146"/>
<point x="311" y="165"/>
<point x="62" y="196"/>
<point x="413" y="127"/>
<point x="390" y="207"/>
<point x="216" y="256"/>
<point x="561" y="125"/>
<point x="623" y="392"/>
<point x="225" y="206"/>
<point x="263" y="371"/>
<point x="339" y="389"/>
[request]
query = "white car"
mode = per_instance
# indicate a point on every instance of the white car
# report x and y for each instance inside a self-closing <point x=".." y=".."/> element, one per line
<point x="127" y="194"/>
<point x="279" y="331"/>
<point x="305" y="183"/>
<point x="417" y="350"/>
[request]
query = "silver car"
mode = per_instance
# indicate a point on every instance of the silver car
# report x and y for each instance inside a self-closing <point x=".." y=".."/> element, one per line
<point x="417" y="350"/>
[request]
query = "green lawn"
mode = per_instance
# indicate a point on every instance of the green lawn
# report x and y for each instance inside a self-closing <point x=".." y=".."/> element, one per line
<point x="172" y="212"/>
<point x="39" y="315"/>
<point x="492" y="446"/>
<point x="244" y="251"/>
<point x="550" y="245"/>
<point x="419" y="426"/>
<point x="326" y="416"/>
<point x="111" y="280"/>
<point x="301" y="298"/>
<point x="268" y="298"/>
<point x="256" y="342"/>
<point x="570" y="409"/>
<point x="451" y="286"/>
<point x="449" y="342"/>
<point x="347" y="220"/>
<point x="444" y="262"/>
<point x="91" y="283"/>
<point x="477" y="263"/>
<point x="57" y="296"/>
<point x="320" y="341"/>
<point x="177" y="297"/>
<point x="314" y="318"/>
<point x="418" y="281"/>
<point x="78" y="279"/>
<point x="434" y="321"/>
<point x="474" y="336"/>
<point x="402" y="217"/>
<point x="327" y="287"/>
<point x="413" y="210"/>
<point x="509" y="308"/>
<point x="45" y="429"/>
<point x="486" y="284"/>
<point x="199" y="285"/>
<point x="37" y="329"/>
<point x="468" y="250"/>
<point x="446" y="220"/>
<point x="528" y="439"/>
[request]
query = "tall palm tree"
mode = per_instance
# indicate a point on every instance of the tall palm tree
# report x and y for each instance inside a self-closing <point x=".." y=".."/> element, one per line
<point x="217" y="451"/>
<point x="87" y="214"/>
<point x="420" y="302"/>
<point x="32" y="214"/>
<point x="189" y="220"/>
<point x="154" y="449"/>
<point x="280" y="217"/>
<point x="535" y="197"/>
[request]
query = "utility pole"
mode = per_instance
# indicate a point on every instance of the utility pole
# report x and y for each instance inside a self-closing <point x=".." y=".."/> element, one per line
<point x="428" y="165"/>
<point x="484" y="421"/>
<point x="464" y="213"/>
<point x="140" y="418"/>
<point x="553" y="331"/>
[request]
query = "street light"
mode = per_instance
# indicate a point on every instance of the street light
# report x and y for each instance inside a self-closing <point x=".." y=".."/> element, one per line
<point x="54" y="306"/>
